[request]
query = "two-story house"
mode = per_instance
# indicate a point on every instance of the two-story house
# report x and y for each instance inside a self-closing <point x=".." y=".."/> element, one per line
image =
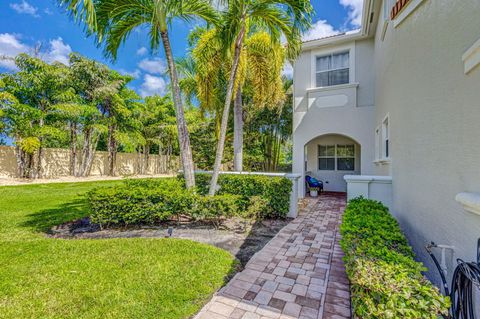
<point x="398" y="105"/>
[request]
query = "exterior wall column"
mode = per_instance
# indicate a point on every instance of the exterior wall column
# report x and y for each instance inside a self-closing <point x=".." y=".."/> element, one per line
<point x="298" y="162"/>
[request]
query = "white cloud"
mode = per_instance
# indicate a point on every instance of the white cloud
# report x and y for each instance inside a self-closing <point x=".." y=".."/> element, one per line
<point x="355" y="9"/>
<point x="142" y="51"/>
<point x="152" y="85"/>
<point x="25" y="8"/>
<point x="320" y="29"/>
<point x="135" y="74"/>
<point x="10" y="47"/>
<point x="48" y="11"/>
<point x="154" y="66"/>
<point x="58" y="52"/>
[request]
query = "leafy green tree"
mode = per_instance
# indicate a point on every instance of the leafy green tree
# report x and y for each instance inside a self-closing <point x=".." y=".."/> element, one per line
<point x="116" y="102"/>
<point x="268" y="133"/>
<point x="158" y="129"/>
<point x="97" y="90"/>
<point x="36" y="87"/>
<point x="123" y="127"/>
<point x="114" y="20"/>
<point x="277" y="17"/>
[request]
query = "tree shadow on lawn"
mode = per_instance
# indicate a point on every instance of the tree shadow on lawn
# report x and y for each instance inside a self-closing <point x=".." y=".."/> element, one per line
<point x="242" y="246"/>
<point x="44" y="220"/>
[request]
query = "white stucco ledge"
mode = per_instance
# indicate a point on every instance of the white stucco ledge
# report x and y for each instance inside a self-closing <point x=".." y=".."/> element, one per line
<point x="469" y="201"/>
<point x="367" y="178"/>
<point x="333" y="87"/>
<point x="382" y="161"/>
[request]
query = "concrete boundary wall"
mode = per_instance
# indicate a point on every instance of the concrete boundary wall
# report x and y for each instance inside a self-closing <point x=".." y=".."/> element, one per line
<point x="55" y="163"/>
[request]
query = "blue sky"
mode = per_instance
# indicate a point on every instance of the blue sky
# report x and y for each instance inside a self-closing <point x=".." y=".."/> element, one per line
<point x="25" y="24"/>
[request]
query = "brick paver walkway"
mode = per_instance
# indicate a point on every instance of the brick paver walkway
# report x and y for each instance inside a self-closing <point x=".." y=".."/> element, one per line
<point x="298" y="274"/>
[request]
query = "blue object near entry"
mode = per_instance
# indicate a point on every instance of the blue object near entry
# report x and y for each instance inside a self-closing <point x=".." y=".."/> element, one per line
<point x="314" y="183"/>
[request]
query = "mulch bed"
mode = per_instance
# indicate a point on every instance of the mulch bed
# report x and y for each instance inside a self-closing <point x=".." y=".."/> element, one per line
<point x="242" y="238"/>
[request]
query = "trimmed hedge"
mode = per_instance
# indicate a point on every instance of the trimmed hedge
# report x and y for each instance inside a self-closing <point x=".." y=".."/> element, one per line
<point x="155" y="200"/>
<point x="386" y="281"/>
<point x="273" y="192"/>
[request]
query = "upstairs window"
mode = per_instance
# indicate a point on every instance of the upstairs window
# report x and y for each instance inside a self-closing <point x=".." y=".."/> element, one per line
<point x="333" y="69"/>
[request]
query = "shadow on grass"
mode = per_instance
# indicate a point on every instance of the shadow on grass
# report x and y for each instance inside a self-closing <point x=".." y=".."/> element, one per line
<point x="44" y="220"/>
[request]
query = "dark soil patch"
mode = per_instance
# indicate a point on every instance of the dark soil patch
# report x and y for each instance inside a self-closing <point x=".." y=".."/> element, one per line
<point x="242" y="238"/>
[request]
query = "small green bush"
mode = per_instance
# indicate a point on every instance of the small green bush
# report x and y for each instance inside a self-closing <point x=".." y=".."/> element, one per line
<point x="139" y="202"/>
<point x="273" y="191"/>
<point x="213" y="208"/>
<point x="126" y="205"/>
<point x="386" y="281"/>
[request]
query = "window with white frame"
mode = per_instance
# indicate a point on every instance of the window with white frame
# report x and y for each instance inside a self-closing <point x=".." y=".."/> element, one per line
<point x="340" y="157"/>
<point x="332" y="69"/>
<point x="378" y="143"/>
<point x="326" y="157"/>
<point x="386" y="138"/>
<point x="346" y="157"/>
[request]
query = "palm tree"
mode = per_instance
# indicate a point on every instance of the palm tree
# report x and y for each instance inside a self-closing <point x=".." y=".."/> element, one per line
<point x="277" y="17"/>
<point x="261" y="63"/>
<point x="83" y="10"/>
<point x="113" y="22"/>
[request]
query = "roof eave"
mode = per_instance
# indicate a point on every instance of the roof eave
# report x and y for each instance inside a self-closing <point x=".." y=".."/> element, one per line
<point x="331" y="40"/>
<point x="368" y="29"/>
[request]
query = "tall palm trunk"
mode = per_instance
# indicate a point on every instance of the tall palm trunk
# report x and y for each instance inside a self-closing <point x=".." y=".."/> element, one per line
<point x="84" y="153"/>
<point x="73" y="148"/>
<point x="146" y="159"/>
<point x="238" y="131"/>
<point x="38" y="170"/>
<point x="183" y="138"/>
<point x="91" y="154"/>
<point x="226" y="111"/>
<point x="112" y="150"/>
<point x="20" y="156"/>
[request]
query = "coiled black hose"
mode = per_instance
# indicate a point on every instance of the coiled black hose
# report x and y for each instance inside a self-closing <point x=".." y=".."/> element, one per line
<point x="466" y="278"/>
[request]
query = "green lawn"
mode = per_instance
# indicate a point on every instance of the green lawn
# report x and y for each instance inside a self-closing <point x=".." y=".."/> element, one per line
<point x="42" y="277"/>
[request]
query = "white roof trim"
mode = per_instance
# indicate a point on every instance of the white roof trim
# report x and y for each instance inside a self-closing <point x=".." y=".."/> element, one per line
<point x="331" y="40"/>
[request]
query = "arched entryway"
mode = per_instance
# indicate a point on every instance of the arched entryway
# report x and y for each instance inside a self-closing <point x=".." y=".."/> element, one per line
<point x="330" y="157"/>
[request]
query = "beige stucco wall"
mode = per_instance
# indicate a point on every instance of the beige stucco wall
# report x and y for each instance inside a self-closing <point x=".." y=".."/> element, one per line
<point x="434" y="110"/>
<point x="332" y="180"/>
<point x="355" y="119"/>
<point x="56" y="163"/>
